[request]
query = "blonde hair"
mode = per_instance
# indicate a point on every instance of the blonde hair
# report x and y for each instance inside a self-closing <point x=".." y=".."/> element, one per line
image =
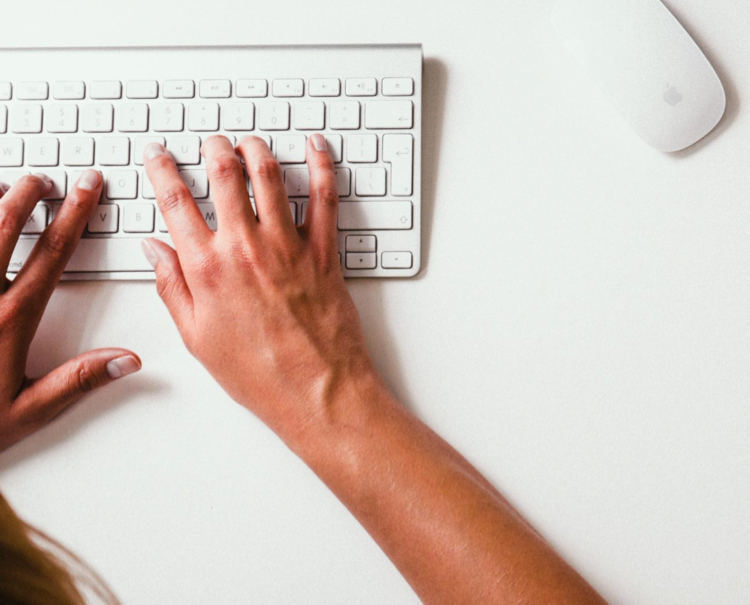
<point x="37" y="570"/>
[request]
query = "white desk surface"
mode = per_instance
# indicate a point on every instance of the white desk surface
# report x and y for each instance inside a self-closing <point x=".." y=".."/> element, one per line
<point x="580" y="331"/>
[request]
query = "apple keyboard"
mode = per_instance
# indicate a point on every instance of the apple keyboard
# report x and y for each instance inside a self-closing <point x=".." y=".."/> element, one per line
<point x="65" y="110"/>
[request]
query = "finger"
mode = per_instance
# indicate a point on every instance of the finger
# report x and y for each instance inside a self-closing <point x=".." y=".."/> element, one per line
<point x="46" y="397"/>
<point x="184" y="220"/>
<point x="42" y="270"/>
<point x="228" y="188"/>
<point x="170" y="282"/>
<point x="322" y="211"/>
<point x="16" y="204"/>
<point x="271" y="201"/>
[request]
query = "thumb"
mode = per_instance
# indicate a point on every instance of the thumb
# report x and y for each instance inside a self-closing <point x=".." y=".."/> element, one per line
<point x="43" y="399"/>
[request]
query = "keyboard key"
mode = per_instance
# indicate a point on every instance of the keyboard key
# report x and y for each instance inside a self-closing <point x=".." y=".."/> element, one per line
<point x="215" y="89"/>
<point x="132" y="117"/>
<point x="334" y="142"/>
<point x="26" y="118"/>
<point x="113" y="151"/>
<point x="324" y="87"/>
<point x="142" y="89"/>
<point x="78" y="151"/>
<point x="290" y="149"/>
<point x="106" y="219"/>
<point x="11" y="152"/>
<point x="370" y="181"/>
<point x="273" y="116"/>
<point x="309" y="115"/>
<point x="197" y="182"/>
<point x="121" y="184"/>
<point x="209" y="215"/>
<point x="138" y="218"/>
<point x="3" y="119"/>
<point x="95" y="255"/>
<point x="185" y="149"/>
<point x="105" y="90"/>
<point x="9" y="177"/>
<point x="396" y="260"/>
<point x="361" y="87"/>
<point x="32" y="91"/>
<point x="37" y="222"/>
<point x="42" y="151"/>
<point x="62" y="117"/>
<point x="361" y="260"/>
<point x="147" y="189"/>
<point x="140" y="145"/>
<point x="97" y="117"/>
<point x="389" y="114"/>
<point x="69" y="90"/>
<point x="6" y="91"/>
<point x="297" y="182"/>
<point x="361" y="148"/>
<point x="178" y="89"/>
<point x="239" y="116"/>
<point x="343" y="181"/>
<point x="398" y="151"/>
<point x="361" y="243"/>
<point x="293" y="87"/>
<point x="167" y="117"/>
<point x="251" y="88"/>
<point x="373" y="216"/>
<point x="203" y="117"/>
<point x="344" y="115"/>
<point x="397" y="87"/>
<point x="59" y="186"/>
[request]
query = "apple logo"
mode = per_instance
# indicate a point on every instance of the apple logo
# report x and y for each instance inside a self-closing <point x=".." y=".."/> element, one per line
<point x="672" y="96"/>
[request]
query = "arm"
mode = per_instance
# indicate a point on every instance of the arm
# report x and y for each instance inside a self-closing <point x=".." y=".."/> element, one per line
<point x="263" y="305"/>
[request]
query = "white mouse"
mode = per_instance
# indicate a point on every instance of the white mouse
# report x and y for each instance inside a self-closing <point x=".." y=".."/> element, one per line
<point x="649" y="66"/>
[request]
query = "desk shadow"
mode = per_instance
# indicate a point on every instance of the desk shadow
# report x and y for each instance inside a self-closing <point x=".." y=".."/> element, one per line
<point x="81" y="414"/>
<point x="434" y="85"/>
<point x="733" y="98"/>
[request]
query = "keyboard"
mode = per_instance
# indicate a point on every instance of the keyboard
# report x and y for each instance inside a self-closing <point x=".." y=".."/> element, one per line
<point x="66" y="110"/>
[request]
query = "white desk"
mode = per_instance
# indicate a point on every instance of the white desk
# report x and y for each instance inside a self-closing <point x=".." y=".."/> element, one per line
<point x="580" y="331"/>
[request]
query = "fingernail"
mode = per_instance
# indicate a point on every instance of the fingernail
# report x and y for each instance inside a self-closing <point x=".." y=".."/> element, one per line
<point x="122" y="366"/>
<point x="89" y="180"/>
<point x="44" y="178"/>
<point x="152" y="150"/>
<point x="149" y="252"/>
<point x="319" y="142"/>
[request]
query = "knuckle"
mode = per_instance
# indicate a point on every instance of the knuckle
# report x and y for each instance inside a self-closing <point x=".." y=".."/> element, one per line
<point x="56" y="244"/>
<point x="174" y="198"/>
<point x="327" y="195"/>
<point x="9" y="222"/>
<point x="165" y="285"/>
<point x="267" y="168"/>
<point x="224" y="167"/>
<point x="83" y="379"/>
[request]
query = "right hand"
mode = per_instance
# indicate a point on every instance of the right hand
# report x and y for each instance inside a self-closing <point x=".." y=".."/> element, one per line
<point x="262" y="304"/>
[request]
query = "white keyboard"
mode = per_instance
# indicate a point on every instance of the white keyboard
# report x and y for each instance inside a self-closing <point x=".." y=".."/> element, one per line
<point x="63" y="111"/>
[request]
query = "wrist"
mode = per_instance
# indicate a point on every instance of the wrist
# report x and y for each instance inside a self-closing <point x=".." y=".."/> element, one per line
<point x="344" y="416"/>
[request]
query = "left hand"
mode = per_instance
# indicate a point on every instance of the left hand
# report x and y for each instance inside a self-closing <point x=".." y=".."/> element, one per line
<point x="28" y="404"/>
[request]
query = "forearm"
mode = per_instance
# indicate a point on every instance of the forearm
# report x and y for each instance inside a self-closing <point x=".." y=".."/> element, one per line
<point x="450" y="533"/>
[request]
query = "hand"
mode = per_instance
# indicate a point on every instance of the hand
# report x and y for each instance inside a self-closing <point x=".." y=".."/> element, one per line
<point x="260" y="303"/>
<point x="28" y="404"/>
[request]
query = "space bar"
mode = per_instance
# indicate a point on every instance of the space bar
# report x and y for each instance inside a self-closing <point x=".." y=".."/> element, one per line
<point x="92" y="255"/>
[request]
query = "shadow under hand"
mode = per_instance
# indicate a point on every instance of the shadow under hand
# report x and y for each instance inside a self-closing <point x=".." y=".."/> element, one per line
<point x="87" y="411"/>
